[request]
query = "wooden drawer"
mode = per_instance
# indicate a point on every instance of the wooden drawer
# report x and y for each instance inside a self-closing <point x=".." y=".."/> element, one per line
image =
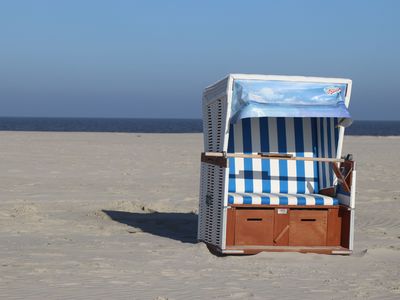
<point x="254" y="226"/>
<point x="308" y="227"/>
<point x="286" y="226"/>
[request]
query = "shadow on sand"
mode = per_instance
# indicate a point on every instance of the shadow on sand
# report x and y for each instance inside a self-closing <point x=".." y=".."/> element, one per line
<point x="177" y="226"/>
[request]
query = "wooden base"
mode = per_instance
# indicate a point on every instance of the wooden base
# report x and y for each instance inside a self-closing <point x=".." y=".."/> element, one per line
<point x="311" y="229"/>
<point x="257" y="249"/>
<point x="251" y="250"/>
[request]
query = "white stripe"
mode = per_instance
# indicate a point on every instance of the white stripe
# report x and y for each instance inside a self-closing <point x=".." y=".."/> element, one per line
<point x="307" y="136"/>
<point x="326" y="154"/>
<point x="327" y="200"/>
<point x="255" y="198"/>
<point x="274" y="199"/>
<point x="239" y="176"/>
<point x="319" y="153"/>
<point x="273" y="147"/>
<point x="309" y="174"/>
<point x="308" y="152"/>
<point x="333" y="144"/>
<point x="256" y="147"/>
<point x="238" y="199"/>
<point x="292" y="199"/>
<point x="291" y="149"/>
<point x="255" y="135"/>
<point x="310" y="200"/>
<point x="257" y="175"/>
<point x="274" y="172"/>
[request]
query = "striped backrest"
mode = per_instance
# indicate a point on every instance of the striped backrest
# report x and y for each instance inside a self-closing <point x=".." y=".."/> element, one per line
<point x="297" y="136"/>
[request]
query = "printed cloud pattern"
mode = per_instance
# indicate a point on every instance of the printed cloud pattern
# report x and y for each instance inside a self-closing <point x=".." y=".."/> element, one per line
<point x="276" y="98"/>
<point x="288" y="93"/>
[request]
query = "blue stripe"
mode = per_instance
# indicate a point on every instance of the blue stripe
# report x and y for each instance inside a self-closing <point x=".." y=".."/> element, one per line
<point x="230" y="199"/>
<point x="300" y="166"/>
<point x="314" y="133"/>
<point x="248" y="162"/>
<point x="328" y="122"/>
<point x="231" y="141"/>
<point x="247" y="199"/>
<point x="265" y="163"/>
<point x="319" y="200"/>
<point x="231" y="149"/>
<point x="301" y="200"/>
<point x="321" y="120"/>
<point x="283" y="167"/>
<point x="246" y="133"/>
<point x="232" y="176"/>
<point x="265" y="200"/>
<point x="283" y="200"/>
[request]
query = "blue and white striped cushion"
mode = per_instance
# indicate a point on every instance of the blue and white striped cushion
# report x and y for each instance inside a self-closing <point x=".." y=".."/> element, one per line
<point x="280" y="199"/>
<point x="298" y="136"/>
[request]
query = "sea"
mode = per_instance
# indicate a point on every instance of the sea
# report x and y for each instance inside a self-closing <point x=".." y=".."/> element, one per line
<point x="374" y="128"/>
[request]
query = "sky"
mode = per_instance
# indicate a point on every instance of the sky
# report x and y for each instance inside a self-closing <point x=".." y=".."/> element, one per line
<point x="152" y="59"/>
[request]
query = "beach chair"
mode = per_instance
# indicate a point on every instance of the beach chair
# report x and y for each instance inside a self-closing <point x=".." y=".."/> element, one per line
<point x="272" y="173"/>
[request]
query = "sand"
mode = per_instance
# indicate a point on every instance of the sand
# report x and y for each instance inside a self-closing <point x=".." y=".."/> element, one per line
<point x="112" y="215"/>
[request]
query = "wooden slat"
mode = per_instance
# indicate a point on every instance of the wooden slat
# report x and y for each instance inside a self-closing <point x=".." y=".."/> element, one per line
<point x="230" y="226"/>
<point x="340" y="178"/>
<point x="271" y="156"/>
<point x="276" y="240"/>
<point x="334" y="227"/>
<point x="316" y="249"/>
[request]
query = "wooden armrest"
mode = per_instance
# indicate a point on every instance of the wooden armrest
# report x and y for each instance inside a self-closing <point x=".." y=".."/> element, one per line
<point x="218" y="160"/>
<point x="263" y="155"/>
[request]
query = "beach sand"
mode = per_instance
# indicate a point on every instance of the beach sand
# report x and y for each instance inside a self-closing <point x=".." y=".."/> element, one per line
<point x="113" y="215"/>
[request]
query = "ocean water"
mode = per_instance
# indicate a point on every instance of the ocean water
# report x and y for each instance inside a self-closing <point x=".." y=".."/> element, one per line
<point x="376" y="128"/>
<point x="101" y="125"/>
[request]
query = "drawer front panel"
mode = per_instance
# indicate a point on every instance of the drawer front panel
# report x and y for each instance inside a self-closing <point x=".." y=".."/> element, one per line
<point x="308" y="227"/>
<point x="254" y="227"/>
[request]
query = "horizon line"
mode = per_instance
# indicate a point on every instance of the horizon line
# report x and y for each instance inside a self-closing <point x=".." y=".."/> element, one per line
<point x="147" y="118"/>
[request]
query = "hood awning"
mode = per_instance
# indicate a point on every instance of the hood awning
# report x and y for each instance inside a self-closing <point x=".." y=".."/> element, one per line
<point x="277" y="98"/>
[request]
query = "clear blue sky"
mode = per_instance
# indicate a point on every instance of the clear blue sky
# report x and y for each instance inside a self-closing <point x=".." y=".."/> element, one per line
<point x="153" y="58"/>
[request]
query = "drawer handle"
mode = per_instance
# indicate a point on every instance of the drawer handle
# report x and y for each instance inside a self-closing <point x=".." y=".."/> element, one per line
<point x="254" y="219"/>
<point x="308" y="220"/>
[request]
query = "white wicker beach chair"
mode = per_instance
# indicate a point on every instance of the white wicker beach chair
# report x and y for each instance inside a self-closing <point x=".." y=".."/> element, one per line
<point x="272" y="176"/>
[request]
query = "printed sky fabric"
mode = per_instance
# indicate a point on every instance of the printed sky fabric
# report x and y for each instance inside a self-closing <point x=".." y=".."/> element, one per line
<point x="277" y="98"/>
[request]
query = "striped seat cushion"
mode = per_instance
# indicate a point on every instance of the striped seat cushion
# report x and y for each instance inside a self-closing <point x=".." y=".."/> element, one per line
<point x="280" y="199"/>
